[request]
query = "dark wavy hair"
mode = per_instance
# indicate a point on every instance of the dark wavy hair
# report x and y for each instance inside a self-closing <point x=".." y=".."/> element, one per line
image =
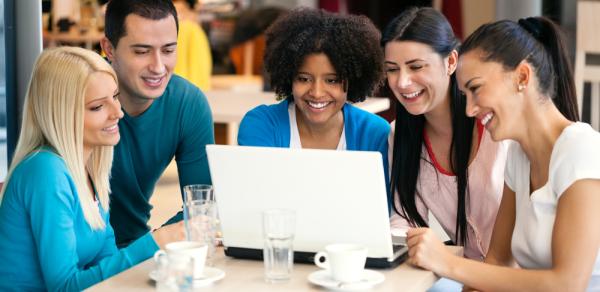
<point x="118" y="10"/>
<point x="539" y="41"/>
<point x="350" y="42"/>
<point x="429" y="27"/>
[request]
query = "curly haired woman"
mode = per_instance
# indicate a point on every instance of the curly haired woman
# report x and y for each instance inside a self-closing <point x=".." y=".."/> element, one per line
<point x="318" y="62"/>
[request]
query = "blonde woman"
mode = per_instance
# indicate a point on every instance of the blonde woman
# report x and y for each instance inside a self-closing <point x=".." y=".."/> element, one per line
<point x="54" y="231"/>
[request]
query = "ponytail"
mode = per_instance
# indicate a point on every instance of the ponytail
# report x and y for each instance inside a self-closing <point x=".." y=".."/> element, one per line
<point x="551" y="37"/>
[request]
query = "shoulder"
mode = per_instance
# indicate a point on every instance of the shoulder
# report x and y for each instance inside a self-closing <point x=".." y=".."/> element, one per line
<point x="575" y="156"/>
<point x="365" y="121"/>
<point x="185" y="98"/>
<point x="40" y="162"/>
<point x="183" y="90"/>
<point x="40" y="173"/>
<point x="267" y="114"/>
<point x="266" y="125"/>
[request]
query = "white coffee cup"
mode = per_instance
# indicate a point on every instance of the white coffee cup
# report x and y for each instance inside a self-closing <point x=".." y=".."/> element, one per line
<point x="345" y="262"/>
<point x="194" y="249"/>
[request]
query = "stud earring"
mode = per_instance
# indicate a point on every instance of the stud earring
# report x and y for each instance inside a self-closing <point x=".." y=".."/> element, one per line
<point x="521" y="87"/>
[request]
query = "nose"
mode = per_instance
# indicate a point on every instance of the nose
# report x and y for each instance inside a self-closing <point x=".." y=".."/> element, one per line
<point x="116" y="111"/>
<point x="472" y="109"/>
<point x="317" y="89"/>
<point x="404" y="80"/>
<point x="157" y="65"/>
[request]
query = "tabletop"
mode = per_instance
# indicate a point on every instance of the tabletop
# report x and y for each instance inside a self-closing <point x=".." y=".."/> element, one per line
<point x="247" y="275"/>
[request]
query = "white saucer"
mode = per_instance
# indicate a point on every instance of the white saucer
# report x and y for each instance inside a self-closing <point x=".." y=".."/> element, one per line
<point x="209" y="276"/>
<point x="323" y="278"/>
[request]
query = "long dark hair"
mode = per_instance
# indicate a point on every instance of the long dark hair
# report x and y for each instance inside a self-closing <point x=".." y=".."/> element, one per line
<point x="429" y="27"/>
<point x="539" y="41"/>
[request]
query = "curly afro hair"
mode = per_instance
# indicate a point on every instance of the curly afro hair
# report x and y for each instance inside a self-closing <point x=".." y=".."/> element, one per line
<point x="350" y="42"/>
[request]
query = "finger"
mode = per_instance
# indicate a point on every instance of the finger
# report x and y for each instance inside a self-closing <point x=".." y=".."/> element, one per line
<point x="413" y="241"/>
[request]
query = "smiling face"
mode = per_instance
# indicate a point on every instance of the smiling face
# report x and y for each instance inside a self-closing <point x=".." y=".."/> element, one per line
<point x="417" y="75"/>
<point x="144" y="57"/>
<point x="492" y="93"/>
<point x="102" y="112"/>
<point x="319" y="94"/>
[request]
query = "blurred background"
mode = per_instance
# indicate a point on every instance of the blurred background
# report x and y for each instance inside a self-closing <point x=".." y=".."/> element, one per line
<point x="221" y="43"/>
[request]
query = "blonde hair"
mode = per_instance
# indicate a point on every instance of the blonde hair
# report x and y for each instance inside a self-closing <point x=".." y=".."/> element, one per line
<point x="53" y="116"/>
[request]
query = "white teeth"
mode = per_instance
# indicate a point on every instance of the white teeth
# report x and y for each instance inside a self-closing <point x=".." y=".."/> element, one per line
<point x="487" y="118"/>
<point x="412" y="95"/>
<point x="318" y="105"/>
<point x="152" y="80"/>
<point x="111" y="128"/>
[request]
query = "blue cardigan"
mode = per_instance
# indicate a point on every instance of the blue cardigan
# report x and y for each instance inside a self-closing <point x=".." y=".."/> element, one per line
<point x="45" y="241"/>
<point x="269" y="126"/>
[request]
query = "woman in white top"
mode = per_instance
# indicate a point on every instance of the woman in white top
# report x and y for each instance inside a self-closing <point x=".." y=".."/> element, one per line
<point x="518" y="82"/>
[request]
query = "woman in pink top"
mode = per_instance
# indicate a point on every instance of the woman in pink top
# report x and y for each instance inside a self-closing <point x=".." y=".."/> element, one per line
<point x="442" y="161"/>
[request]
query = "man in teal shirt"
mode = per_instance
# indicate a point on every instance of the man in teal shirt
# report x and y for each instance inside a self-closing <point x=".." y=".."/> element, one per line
<point x="166" y="116"/>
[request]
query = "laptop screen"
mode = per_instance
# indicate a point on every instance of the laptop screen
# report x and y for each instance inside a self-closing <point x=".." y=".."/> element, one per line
<point x="338" y="196"/>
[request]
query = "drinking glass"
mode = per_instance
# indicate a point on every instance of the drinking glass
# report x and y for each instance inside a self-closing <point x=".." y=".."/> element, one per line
<point x="200" y="219"/>
<point x="278" y="252"/>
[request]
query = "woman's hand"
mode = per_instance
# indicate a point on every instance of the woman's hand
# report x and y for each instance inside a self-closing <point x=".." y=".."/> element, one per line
<point x="169" y="233"/>
<point x="427" y="251"/>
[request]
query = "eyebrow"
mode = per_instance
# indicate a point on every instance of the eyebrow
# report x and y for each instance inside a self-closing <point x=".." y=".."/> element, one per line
<point x="117" y="92"/>
<point x="143" y="46"/>
<point x="97" y="99"/>
<point x="407" y="62"/>
<point x="302" y="72"/>
<point x="467" y="84"/>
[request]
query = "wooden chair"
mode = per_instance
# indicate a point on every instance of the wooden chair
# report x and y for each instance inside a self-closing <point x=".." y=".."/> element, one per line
<point x="588" y="42"/>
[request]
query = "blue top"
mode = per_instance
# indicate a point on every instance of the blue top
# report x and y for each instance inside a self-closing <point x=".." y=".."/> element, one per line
<point x="45" y="241"/>
<point x="269" y="125"/>
<point x="178" y="124"/>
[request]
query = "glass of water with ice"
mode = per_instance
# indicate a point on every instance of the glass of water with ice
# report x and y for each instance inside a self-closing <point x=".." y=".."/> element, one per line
<point x="278" y="252"/>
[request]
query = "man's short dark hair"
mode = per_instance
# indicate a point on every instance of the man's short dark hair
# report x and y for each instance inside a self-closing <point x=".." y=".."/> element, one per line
<point x="118" y="10"/>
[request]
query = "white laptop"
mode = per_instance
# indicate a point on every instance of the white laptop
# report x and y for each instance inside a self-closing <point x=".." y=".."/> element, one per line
<point x="338" y="196"/>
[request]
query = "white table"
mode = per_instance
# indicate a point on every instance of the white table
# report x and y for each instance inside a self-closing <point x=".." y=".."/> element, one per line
<point x="247" y="276"/>
<point x="229" y="107"/>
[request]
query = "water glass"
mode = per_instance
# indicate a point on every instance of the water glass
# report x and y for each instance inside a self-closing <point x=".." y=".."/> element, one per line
<point x="198" y="193"/>
<point x="201" y="192"/>
<point x="278" y="252"/>
<point x="200" y="219"/>
<point x="174" y="272"/>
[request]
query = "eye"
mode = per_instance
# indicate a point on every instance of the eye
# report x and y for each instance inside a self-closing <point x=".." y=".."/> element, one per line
<point x="332" y="80"/>
<point x="140" y="52"/>
<point x="116" y="96"/>
<point x="169" y="50"/>
<point x="96" y="108"/>
<point x="302" y="79"/>
<point x="474" y="88"/>
<point x="391" y="69"/>
<point x="416" y="67"/>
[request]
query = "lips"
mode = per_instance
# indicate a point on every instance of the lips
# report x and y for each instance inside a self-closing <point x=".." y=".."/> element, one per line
<point x="153" y="81"/>
<point x="318" y="105"/>
<point x="486" y="118"/>
<point x="111" y="129"/>
<point x="412" y="94"/>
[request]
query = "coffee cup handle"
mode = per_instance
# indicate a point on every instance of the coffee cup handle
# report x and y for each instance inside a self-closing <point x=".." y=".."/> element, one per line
<point x="158" y="255"/>
<point x="322" y="264"/>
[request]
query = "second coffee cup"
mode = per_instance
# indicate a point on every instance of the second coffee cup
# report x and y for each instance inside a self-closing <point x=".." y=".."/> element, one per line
<point x="345" y="262"/>
<point x="193" y="249"/>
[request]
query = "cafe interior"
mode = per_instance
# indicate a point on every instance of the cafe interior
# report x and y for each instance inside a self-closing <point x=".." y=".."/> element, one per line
<point x="224" y="58"/>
